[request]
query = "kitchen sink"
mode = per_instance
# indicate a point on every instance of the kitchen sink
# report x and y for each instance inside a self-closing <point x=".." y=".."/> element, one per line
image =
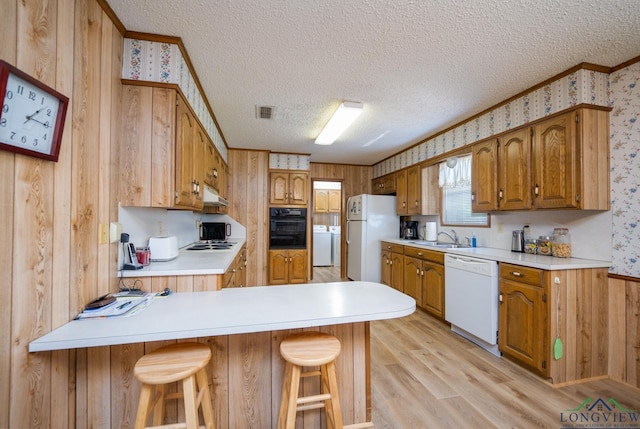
<point x="439" y="244"/>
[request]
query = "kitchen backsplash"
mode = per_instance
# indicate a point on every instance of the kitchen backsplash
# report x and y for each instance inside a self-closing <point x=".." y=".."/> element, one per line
<point x="141" y="223"/>
<point x="590" y="231"/>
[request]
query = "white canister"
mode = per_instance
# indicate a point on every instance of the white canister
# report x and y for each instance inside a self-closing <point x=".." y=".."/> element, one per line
<point x="430" y="231"/>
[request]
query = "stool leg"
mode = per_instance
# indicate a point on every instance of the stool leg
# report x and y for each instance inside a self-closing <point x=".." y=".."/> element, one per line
<point x="332" y="405"/>
<point x="143" y="406"/>
<point x="290" y="388"/>
<point x="190" y="402"/>
<point x="158" y="408"/>
<point x="205" y="399"/>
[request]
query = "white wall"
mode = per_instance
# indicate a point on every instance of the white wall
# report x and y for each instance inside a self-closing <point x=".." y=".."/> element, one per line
<point x="590" y="231"/>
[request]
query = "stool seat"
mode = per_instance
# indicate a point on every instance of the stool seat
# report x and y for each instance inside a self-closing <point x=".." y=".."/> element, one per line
<point x="310" y="348"/>
<point x="172" y="363"/>
<point x="183" y="362"/>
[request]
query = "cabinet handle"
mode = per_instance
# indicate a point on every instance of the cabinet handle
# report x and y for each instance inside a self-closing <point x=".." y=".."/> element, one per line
<point x="500" y="298"/>
<point x="516" y="274"/>
<point x="473" y="196"/>
<point x="500" y="196"/>
<point x="422" y="273"/>
<point x="416" y="203"/>
<point x="404" y="204"/>
<point x="536" y="190"/>
<point x="417" y="271"/>
<point x="419" y="253"/>
<point x="289" y="260"/>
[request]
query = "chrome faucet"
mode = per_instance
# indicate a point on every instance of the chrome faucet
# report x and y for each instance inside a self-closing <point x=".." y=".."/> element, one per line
<point x="453" y="237"/>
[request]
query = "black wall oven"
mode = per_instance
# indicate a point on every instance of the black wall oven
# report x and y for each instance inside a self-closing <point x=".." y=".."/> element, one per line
<point x="287" y="228"/>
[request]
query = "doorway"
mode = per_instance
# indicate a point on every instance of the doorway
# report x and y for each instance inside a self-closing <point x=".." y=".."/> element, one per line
<point x="326" y="241"/>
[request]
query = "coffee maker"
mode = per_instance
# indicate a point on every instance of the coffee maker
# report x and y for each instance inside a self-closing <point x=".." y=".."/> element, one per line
<point x="409" y="230"/>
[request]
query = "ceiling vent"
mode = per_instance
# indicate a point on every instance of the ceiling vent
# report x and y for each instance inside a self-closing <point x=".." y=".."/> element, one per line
<point x="264" y="112"/>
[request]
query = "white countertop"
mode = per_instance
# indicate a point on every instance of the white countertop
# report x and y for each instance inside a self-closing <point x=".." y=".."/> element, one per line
<point x="191" y="262"/>
<point x="502" y="255"/>
<point x="235" y="311"/>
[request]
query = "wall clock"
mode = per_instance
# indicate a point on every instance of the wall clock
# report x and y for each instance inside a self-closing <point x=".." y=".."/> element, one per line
<point x="32" y="115"/>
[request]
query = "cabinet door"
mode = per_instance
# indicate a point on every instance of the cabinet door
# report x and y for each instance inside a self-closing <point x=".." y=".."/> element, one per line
<point x="397" y="271"/>
<point x="401" y="192"/>
<point x="514" y="178"/>
<point x="554" y="163"/>
<point x="414" y="190"/>
<point x="297" y="266"/>
<point x="335" y="201"/>
<point x="522" y="321"/>
<point x="321" y="200"/>
<point x="210" y="165"/>
<point x="184" y="180"/>
<point x="484" y="176"/>
<point x="430" y="190"/>
<point x="298" y="188"/>
<point x="413" y="278"/>
<point x="278" y="267"/>
<point x="433" y="289"/>
<point x="279" y="188"/>
<point x="385" y="268"/>
<point x="200" y="143"/>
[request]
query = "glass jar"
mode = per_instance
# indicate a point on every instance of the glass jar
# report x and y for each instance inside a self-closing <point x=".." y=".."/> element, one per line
<point x="143" y="254"/>
<point x="544" y="245"/>
<point x="531" y="246"/>
<point x="561" y="244"/>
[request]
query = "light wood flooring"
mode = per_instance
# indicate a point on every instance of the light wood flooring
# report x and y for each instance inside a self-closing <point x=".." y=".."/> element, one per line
<point x="425" y="376"/>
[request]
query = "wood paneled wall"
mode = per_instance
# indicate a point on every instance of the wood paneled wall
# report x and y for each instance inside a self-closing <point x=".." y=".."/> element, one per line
<point x="624" y="330"/>
<point x="50" y="212"/>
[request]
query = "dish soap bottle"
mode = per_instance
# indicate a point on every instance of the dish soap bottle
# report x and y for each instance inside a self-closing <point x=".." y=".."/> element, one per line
<point x="473" y="240"/>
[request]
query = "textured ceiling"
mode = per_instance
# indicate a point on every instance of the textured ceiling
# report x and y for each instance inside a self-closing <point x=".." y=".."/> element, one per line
<point x="418" y="66"/>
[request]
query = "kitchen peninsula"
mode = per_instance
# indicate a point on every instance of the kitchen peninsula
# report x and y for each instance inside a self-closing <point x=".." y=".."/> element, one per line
<point x="244" y="327"/>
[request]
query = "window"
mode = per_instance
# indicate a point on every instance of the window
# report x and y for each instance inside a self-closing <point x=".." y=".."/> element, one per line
<point x="455" y="181"/>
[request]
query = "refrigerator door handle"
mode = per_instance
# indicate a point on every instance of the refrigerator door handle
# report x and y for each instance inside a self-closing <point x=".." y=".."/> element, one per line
<point x="348" y="235"/>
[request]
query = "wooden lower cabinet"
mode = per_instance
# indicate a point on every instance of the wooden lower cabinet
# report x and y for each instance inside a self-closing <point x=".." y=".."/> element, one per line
<point x="424" y="279"/>
<point x="236" y="275"/>
<point x="392" y="265"/>
<point x="523" y="333"/>
<point x="537" y="306"/>
<point x="287" y="266"/>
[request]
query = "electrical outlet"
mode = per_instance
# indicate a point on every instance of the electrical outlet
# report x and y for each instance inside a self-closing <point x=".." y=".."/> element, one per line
<point x="103" y="233"/>
<point x="160" y="229"/>
<point x="198" y="222"/>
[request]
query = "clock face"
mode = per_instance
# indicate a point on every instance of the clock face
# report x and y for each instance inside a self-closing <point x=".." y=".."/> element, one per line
<point x="28" y="116"/>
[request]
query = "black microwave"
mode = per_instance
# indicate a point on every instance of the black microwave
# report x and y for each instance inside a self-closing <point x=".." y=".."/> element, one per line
<point x="287" y="228"/>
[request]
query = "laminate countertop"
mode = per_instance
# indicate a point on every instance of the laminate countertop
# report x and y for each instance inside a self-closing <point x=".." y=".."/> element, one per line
<point x="501" y="255"/>
<point x="235" y="311"/>
<point x="190" y="262"/>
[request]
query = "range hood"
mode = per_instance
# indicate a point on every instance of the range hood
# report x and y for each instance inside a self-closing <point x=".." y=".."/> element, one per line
<point x="212" y="198"/>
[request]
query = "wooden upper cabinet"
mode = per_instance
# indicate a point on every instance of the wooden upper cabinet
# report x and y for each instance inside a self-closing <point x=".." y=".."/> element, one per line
<point x="514" y="178"/>
<point x="484" y="176"/>
<point x="288" y="188"/>
<point x="558" y="163"/>
<point x="430" y="190"/>
<point x="335" y="201"/>
<point x="555" y="153"/>
<point x="165" y="151"/>
<point x="401" y="192"/>
<point x="321" y="200"/>
<point x="384" y="184"/>
<point x="414" y="190"/>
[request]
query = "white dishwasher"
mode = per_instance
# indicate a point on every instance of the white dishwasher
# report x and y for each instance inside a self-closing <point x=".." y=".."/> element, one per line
<point x="471" y="299"/>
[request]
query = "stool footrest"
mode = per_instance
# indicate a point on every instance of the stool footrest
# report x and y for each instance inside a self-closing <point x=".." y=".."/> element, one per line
<point x="359" y="425"/>
<point x="308" y="407"/>
<point x="313" y="398"/>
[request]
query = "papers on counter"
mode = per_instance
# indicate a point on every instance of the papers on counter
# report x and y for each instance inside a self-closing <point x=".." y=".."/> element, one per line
<point x="125" y="305"/>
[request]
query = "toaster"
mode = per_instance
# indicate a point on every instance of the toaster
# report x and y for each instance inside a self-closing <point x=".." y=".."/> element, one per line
<point x="163" y="248"/>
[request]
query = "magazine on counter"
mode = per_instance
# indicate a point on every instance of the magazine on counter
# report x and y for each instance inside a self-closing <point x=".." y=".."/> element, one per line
<point x="125" y="304"/>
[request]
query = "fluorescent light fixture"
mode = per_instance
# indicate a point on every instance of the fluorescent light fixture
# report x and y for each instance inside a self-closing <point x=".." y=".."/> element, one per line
<point x="340" y="121"/>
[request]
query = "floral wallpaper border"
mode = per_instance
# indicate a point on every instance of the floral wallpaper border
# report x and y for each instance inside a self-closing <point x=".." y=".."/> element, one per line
<point x="163" y="62"/>
<point x="583" y="86"/>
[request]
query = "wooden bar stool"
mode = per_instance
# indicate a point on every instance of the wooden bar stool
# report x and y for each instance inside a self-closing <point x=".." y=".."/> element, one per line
<point x="308" y="349"/>
<point x="184" y="362"/>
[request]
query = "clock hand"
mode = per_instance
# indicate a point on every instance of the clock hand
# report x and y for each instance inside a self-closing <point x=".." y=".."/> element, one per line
<point x="46" y="124"/>
<point x="30" y="117"/>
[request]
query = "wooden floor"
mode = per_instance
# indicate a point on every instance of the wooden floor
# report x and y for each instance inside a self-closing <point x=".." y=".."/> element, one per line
<point x="425" y="376"/>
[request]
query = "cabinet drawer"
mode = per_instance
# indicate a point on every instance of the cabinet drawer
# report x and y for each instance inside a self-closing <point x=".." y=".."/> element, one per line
<point x="424" y="254"/>
<point x="395" y="248"/>
<point x="522" y="274"/>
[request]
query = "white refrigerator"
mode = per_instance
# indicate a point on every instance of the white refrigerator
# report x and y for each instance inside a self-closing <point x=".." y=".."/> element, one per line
<point x="370" y="219"/>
